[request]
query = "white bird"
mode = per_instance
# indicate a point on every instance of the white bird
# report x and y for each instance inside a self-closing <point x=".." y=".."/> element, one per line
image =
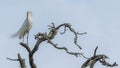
<point x="26" y="27"/>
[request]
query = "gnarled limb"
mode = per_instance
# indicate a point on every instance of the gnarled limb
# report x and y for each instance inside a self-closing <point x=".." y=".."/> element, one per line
<point x="91" y="61"/>
<point x="41" y="37"/>
<point x="64" y="48"/>
<point x="103" y="62"/>
<point x="67" y="25"/>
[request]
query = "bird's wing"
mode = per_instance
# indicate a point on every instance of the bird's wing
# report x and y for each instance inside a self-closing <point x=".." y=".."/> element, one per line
<point x="21" y="30"/>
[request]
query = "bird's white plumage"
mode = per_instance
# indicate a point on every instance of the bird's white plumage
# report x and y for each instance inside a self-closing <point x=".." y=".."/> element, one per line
<point x="27" y="25"/>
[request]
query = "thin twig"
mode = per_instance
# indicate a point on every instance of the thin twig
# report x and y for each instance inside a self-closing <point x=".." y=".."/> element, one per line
<point x="64" y="30"/>
<point x="95" y="51"/>
<point x="12" y="59"/>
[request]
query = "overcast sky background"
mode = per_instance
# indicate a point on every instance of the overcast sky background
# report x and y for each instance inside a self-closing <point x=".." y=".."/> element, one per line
<point x="99" y="18"/>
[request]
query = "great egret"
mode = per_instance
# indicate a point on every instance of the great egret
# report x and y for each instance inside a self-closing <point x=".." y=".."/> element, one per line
<point x="26" y="27"/>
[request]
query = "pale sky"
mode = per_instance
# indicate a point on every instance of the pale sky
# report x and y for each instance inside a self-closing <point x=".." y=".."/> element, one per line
<point x="99" y="18"/>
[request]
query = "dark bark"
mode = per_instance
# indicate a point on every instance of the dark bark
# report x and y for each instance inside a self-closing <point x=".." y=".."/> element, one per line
<point x="21" y="61"/>
<point x="92" y="60"/>
<point x="42" y="37"/>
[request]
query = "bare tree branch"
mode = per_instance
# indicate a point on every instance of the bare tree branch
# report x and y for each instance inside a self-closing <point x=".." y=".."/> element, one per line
<point x="21" y="61"/>
<point x="51" y="35"/>
<point x="35" y="47"/>
<point x="64" y="30"/>
<point x="64" y="48"/>
<point x="12" y="59"/>
<point x="26" y="46"/>
<point x="67" y="25"/>
<point x="31" y="61"/>
<point x="41" y="37"/>
<point x="91" y="61"/>
<point x="95" y="51"/>
<point x="108" y="64"/>
<point x="97" y="58"/>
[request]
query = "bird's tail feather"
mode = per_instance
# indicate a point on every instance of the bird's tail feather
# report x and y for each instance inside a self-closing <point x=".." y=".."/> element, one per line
<point x="14" y="35"/>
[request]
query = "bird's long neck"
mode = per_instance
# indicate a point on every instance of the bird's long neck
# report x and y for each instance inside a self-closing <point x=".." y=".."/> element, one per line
<point x="29" y="16"/>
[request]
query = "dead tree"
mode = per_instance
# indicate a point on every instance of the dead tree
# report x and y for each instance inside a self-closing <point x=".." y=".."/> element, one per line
<point x="42" y="37"/>
<point x="47" y="37"/>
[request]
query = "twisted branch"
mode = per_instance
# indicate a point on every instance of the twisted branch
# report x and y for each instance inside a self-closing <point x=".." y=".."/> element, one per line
<point x="67" y="25"/>
<point x="41" y="37"/>
<point x="101" y="58"/>
<point x="64" y="48"/>
<point x="108" y="64"/>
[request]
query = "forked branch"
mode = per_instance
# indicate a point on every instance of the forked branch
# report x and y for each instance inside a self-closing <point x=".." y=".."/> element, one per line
<point x="92" y="60"/>
<point x="67" y="25"/>
<point x="41" y="37"/>
<point x="21" y="61"/>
